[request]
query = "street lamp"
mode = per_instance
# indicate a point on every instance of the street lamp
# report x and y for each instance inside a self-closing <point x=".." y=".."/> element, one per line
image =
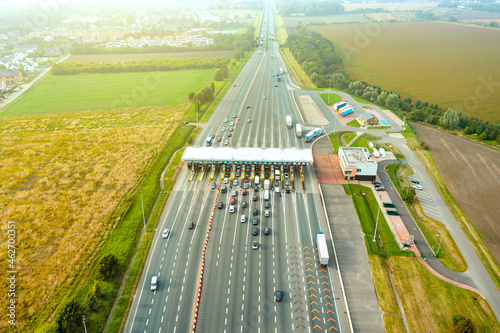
<point x="376" y="224"/>
<point x="84" y="326"/>
<point x="143" y="218"/>
<point x="440" y="239"/>
<point x="329" y="89"/>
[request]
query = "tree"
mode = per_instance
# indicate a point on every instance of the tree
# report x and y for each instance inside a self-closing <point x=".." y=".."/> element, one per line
<point x="191" y="95"/>
<point x="381" y="99"/>
<point x="70" y="318"/>
<point x="462" y="324"/>
<point x="408" y="194"/>
<point x="450" y="119"/>
<point x="392" y="100"/>
<point x="109" y="266"/>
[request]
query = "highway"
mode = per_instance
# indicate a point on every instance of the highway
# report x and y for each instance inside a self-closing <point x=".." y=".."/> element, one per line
<point x="240" y="282"/>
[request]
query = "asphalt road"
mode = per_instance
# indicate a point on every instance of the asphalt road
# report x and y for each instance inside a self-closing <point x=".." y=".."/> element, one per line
<point x="240" y="282"/>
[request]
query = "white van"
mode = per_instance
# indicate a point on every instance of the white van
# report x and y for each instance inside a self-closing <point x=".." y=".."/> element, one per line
<point x="154" y="283"/>
<point x="266" y="195"/>
<point x="257" y="180"/>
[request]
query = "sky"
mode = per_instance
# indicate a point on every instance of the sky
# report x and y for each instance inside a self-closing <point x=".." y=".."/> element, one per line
<point x="45" y="3"/>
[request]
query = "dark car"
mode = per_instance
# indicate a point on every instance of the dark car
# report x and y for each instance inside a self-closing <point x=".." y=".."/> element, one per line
<point x="248" y="106"/>
<point x="415" y="181"/>
<point x="255" y="231"/>
<point x="376" y="183"/>
<point x="278" y="295"/>
<point x="244" y="204"/>
<point x="267" y="204"/>
<point x="255" y="221"/>
<point x="267" y="231"/>
<point x="255" y="188"/>
<point x="220" y="205"/>
<point x="213" y="186"/>
<point x="380" y="188"/>
<point x="287" y="189"/>
<point x="255" y="197"/>
<point x="255" y="212"/>
<point x="191" y="225"/>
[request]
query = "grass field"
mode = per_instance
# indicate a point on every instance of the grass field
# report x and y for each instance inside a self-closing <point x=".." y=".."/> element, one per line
<point x="327" y="19"/>
<point x="458" y="161"/>
<point x="430" y="303"/>
<point x="73" y="93"/>
<point x="442" y="63"/>
<point x="62" y="178"/>
<point x="114" y="58"/>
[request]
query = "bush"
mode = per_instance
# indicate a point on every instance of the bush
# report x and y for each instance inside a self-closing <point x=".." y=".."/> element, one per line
<point x="462" y="324"/>
<point x="70" y="318"/>
<point x="109" y="266"/>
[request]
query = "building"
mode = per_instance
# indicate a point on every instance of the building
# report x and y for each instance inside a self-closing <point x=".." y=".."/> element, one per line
<point x="356" y="164"/>
<point x="369" y="119"/>
<point x="11" y="76"/>
<point x="53" y="52"/>
<point x="3" y="86"/>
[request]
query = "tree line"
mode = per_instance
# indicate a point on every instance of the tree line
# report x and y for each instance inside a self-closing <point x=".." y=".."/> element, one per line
<point x="319" y="60"/>
<point x="311" y="8"/>
<point x="151" y="65"/>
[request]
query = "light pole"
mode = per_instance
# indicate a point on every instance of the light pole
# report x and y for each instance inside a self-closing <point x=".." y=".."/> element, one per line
<point x="84" y="326"/>
<point x="329" y="90"/>
<point x="440" y="239"/>
<point x="143" y="218"/>
<point x="376" y="224"/>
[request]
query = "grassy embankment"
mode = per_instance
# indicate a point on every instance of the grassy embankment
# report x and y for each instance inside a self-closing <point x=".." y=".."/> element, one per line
<point x="483" y="252"/>
<point x="298" y="73"/>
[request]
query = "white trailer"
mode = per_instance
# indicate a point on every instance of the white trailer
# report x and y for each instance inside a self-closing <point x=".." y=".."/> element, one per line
<point x="322" y="248"/>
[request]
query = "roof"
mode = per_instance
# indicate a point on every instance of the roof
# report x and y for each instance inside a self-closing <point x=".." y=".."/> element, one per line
<point x="9" y="72"/>
<point x="367" y="115"/>
<point x="249" y="155"/>
<point x="355" y="156"/>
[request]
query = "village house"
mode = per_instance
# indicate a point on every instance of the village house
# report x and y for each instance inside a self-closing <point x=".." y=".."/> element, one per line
<point x="11" y="76"/>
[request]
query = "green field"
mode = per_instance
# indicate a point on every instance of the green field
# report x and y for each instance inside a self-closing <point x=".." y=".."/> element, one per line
<point x="70" y="93"/>
<point x="442" y="63"/>
<point x="114" y="58"/>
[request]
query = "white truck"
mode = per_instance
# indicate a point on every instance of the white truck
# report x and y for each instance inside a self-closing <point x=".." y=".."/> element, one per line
<point x="289" y="123"/>
<point x="322" y="248"/>
<point x="267" y="184"/>
<point x="298" y="130"/>
<point x="266" y="195"/>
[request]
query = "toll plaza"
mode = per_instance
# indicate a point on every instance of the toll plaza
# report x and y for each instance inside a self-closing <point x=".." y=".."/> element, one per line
<point x="275" y="164"/>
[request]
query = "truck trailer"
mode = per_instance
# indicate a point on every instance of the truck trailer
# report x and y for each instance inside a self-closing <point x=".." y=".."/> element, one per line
<point x="322" y="248"/>
<point x="267" y="184"/>
<point x="339" y="105"/>
<point x="346" y="110"/>
<point x="312" y="134"/>
<point x="289" y="123"/>
<point x="298" y="130"/>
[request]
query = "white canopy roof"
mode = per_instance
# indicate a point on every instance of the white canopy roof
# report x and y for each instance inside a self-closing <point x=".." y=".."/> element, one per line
<point x="249" y="155"/>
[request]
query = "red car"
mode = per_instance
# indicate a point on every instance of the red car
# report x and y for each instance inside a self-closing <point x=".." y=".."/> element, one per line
<point x="244" y="192"/>
<point x="233" y="201"/>
<point x="218" y="139"/>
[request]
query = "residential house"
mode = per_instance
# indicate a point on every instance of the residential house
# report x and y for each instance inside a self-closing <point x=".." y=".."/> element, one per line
<point x="53" y="52"/>
<point x="11" y="76"/>
<point x="21" y="54"/>
<point x="28" y="47"/>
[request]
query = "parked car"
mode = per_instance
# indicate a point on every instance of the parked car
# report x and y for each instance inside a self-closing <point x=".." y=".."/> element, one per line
<point x="376" y="183"/>
<point x="418" y="187"/>
<point x="380" y="188"/>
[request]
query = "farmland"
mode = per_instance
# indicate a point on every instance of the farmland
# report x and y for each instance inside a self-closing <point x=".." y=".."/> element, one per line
<point x="471" y="174"/>
<point x="74" y="93"/>
<point x="452" y="65"/>
<point x="62" y="177"/>
<point x="328" y="19"/>
<point x="114" y="58"/>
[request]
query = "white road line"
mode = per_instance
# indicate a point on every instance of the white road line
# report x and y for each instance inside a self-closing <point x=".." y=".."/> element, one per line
<point x="147" y="322"/>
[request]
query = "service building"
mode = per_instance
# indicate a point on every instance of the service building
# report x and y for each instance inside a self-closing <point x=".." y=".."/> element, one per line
<point x="356" y="163"/>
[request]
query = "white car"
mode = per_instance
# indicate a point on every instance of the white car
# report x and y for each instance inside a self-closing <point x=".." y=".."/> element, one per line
<point x="165" y="234"/>
<point x="243" y="218"/>
<point x="418" y="187"/>
<point x="226" y="180"/>
<point x="226" y="142"/>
